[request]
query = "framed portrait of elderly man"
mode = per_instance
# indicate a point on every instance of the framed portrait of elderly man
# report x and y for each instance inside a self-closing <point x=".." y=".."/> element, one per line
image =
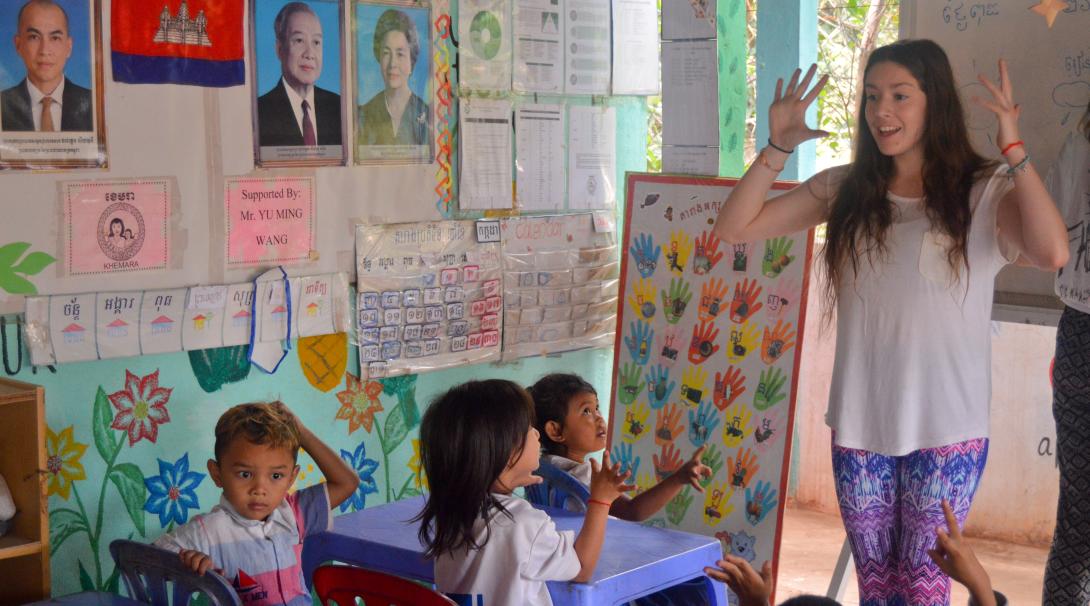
<point x="299" y="114"/>
<point x="51" y="113"/>
<point x="393" y="90"/>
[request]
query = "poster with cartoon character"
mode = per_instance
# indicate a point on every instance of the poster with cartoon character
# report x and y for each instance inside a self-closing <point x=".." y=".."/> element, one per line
<point x="708" y="342"/>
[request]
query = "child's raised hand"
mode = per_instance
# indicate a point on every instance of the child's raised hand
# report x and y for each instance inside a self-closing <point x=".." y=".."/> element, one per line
<point x="751" y="587"/>
<point x="196" y="561"/>
<point x="607" y="481"/>
<point x="787" y="114"/>
<point x="954" y="556"/>
<point x="693" y="471"/>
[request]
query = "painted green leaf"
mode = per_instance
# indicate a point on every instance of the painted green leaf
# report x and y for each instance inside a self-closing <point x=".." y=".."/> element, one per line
<point x="33" y="263"/>
<point x="105" y="439"/>
<point x="409" y="409"/>
<point x="394" y="430"/>
<point x="64" y="523"/>
<point x="214" y="368"/>
<point x="10" y="253"/>
<point x="85" y="582"/>
<point x="411" y="491"/>
<point x="113" y="584"/>
<point x="16" y="285"/>
<point x="130" y="484"/>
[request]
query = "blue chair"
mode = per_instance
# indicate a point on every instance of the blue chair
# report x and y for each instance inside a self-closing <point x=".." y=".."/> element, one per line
<point x="559" y="486"/>
<point x="149" y="571"/>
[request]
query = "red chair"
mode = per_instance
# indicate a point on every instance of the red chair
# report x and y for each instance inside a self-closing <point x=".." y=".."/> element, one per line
<point x="343" y="584"/>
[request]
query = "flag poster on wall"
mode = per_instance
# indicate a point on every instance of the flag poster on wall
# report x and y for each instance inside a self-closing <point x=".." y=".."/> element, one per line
<point x="708" y="342"/>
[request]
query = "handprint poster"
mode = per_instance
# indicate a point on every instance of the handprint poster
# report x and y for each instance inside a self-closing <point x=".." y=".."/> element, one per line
<point x="708" y="342"/>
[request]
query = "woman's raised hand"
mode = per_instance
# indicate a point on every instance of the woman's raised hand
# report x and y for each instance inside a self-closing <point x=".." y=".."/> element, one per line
<point x="787" y="114"/>
<point x="1002" y="105"/>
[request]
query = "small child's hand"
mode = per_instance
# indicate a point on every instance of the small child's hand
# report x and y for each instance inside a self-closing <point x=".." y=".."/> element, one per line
<point x="196" y="561"/>
<point x="954" y="556"/>
<point x="693" y="471"/>
<point x="607" y="481"/>
<point x="751" y="587"/>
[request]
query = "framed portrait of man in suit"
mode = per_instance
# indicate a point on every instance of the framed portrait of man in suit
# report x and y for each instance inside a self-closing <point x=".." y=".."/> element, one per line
<point x="51" y="111"/>
<point x="298" y="82"/>
<point x="394" y="103"/>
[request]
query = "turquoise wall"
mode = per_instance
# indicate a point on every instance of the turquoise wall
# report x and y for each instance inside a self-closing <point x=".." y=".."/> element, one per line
<point x="106" y="483"/>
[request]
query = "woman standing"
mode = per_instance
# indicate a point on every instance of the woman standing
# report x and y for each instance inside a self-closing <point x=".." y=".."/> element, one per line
<point x="1067" y="577"/>
<point x="918" y="226"/>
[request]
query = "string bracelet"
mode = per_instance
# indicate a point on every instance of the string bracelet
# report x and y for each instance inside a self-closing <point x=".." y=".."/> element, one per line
<point x="1018" y="143"/>
<point x="778" y="148"/>
<point x="597" y="502"/>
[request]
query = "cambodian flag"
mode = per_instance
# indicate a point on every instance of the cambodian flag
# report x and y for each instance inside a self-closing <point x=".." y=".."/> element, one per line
<point x="197" y="42"/>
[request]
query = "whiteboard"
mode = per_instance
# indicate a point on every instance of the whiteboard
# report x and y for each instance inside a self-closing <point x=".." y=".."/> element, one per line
<point x="1050" y="73"/>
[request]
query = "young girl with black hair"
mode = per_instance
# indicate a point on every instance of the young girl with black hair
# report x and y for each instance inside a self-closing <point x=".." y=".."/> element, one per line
<point x="477" y="445"/>
<point x="918" y="225"/>
<point x="1067" y="578"/>
<point x="568" y="417"/>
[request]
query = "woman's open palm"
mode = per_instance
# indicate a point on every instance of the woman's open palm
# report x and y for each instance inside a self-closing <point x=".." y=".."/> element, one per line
<point x="787" y="115"/>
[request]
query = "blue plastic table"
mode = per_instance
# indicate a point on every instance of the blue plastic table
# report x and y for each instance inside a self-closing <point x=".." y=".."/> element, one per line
<point x="90" y="598"/>
<point x="636" y="560"/>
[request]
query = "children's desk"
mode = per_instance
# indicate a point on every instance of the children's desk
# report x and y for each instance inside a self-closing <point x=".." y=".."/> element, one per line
<point x="636" y="560"/>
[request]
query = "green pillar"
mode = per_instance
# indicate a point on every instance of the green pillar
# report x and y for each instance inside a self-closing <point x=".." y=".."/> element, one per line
<point x="730" y="28"/>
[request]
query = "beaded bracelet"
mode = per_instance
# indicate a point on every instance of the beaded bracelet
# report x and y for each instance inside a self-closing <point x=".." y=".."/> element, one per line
<point x="1021" y="167"/>
<point x="762" y="159"/>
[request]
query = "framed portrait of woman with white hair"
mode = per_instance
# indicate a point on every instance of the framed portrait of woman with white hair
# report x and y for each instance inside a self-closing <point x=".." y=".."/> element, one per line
<point x="393" y="92"/>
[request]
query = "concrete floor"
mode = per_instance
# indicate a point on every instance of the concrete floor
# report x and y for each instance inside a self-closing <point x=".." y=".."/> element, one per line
<point x="812" y="541"/>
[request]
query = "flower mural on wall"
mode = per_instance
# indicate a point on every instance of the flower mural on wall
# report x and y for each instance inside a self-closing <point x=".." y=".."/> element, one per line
<point x="172" y="493"/>
<point x="135" y="412"/>
<point x="415" y="466"/>
<point x="141" y="407"/>
<point x="63" y="454"/>
<point x="359" y="403"/>
<point x="366" y="469"/>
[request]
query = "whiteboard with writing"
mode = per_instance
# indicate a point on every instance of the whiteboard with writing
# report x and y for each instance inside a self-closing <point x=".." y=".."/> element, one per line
<point x="1050" y="74"/>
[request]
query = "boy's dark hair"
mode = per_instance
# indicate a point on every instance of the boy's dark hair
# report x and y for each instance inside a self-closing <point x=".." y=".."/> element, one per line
<point x="810" y="600"/>
<point x="468" y="436"/>
<point x="265" y="423"/>
<point x="552" y="394"/>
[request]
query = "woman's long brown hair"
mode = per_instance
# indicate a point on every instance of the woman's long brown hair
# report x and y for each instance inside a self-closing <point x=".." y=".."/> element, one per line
<point x="861" y="214"/>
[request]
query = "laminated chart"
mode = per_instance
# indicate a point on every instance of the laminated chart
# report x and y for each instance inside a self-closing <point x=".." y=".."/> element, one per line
<point x="707" y="355"/>
<point x="560" y="283"/>
<point x="429" y="297"/>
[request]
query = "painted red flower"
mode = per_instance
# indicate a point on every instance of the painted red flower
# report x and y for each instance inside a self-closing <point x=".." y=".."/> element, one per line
<point x="359" y="402"/>
<point x="141" y="407"/>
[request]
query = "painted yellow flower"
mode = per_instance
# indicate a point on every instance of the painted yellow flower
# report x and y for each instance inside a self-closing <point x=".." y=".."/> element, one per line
<point x="62" y="461"/>
<point x="414" y="465"/>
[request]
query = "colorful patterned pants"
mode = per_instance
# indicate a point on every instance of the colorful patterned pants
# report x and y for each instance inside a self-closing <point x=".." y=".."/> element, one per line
<point x="891" y="507"/>
<point x="1067" y="577"/>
